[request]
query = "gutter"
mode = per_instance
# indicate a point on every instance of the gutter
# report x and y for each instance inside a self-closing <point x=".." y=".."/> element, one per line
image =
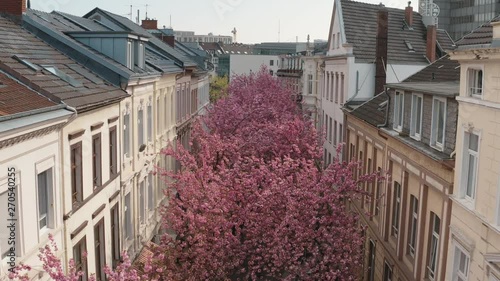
<point x="386" y="110"/>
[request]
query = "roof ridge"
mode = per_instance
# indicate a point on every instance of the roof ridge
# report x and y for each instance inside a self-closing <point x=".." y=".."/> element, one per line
<point x="376" y="5"/>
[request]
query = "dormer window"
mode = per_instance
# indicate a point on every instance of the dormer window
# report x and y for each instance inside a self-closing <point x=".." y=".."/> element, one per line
<point x="139" y="57"/>
<point x="475" y="82"/>
<point x="398" y="111"/>
<point x="438" y="123"/>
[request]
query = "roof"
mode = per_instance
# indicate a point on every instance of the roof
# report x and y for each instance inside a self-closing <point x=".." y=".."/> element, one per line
<point x="23" y="56"/>
<point x="372" y="111"/>
<point x="16" y="97"/>
<point x="361" y="30"/>
<point x="441" y="70"/>
<point x="238" y="47"/>
<point x="479" y="36"/>
<point x="446" y="89"/>
<point x="444" y="40"/>
<point x="153" y="41"/>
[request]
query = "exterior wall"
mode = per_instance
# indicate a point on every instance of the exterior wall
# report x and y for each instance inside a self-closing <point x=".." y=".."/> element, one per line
<point x="475" y="225"/>
<point x="426" y="179"/>
<point x="245" y="64"/>
<point x="399" y="72"/>
<point x="79" y="220"/>
<point x="312" y="97"/>
<point x="29" y="158"/>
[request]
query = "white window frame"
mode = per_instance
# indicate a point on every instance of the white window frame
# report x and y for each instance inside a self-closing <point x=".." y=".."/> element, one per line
<point x="390" y="271"/>
<point x="309" y="84"/>
<point x="434" y="124"/>
<point x="142" y="202"/>
<point x="399" y="105"/>
<point x="435" y="236"/>
<point x="126" y="132"/>
<point x="413" y="231"/>
<point x="149" y="120"/>
<point x="140" y="125"/>
<point x="414" y="110"/>
<point x="458" y="249"/>
<point x="465" y="165"/>
<point x="49" y="216"/>
<point x="472" y="89"/>
<point x="130" y="55"/>
<point x="396" y="210"/>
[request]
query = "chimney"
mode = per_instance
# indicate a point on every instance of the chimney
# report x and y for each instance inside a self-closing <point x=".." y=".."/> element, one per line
<point x="149" y="24"/>
<point x="381" y="49"/>
<point x="170" y="40"/>
<point x="431" y="43"/>
<point x="409" y="14"/>
<point x="13" y="7"/>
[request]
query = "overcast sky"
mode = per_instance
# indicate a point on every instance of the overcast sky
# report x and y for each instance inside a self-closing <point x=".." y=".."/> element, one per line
<point x="256" y="20"/>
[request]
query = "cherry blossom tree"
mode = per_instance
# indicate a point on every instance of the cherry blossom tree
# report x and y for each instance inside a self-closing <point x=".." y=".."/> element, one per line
<point x="252" y="200"/>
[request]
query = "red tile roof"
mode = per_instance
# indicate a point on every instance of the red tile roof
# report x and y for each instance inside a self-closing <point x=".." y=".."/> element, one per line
<point x="17" y="98"/>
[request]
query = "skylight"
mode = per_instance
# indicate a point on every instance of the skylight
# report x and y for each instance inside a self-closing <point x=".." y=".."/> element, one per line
<point x="26" y="62"/>
<point x="409" y="46"/>
<point x="54" y="70"/>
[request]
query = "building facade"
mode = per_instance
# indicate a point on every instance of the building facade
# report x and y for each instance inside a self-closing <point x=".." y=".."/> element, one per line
<point x="408" y="133"/>
<point x="475" y="238"/>
<point x="190" y="36"/>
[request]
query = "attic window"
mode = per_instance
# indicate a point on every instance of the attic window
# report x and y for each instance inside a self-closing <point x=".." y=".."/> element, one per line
<point x="54" y="70"/>
<point x="29" y="64"/>
<point x="409" y="46"/>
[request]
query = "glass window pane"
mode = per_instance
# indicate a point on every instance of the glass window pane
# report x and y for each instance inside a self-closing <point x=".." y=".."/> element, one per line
<point x="473" y="142"/>
<point x="418" y="115"/>
<point x="471" y="175"/>
<point x="440" y="127"/>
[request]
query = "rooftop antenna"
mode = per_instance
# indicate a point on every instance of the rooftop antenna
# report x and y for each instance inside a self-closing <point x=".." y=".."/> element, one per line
<point x="170" y="22"/>
<point x="147" y="11"/>
<point x="279" y="30"/>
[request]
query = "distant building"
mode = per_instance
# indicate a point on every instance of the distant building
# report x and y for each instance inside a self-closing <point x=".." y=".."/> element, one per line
<point x="245" y="64"/>
<point x="459" y="17"/>
<point x="190" y="36"/>
<point x="279" y="48"/>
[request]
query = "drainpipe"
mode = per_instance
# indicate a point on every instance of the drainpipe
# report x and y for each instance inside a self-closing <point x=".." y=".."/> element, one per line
<point x="386" y="110"/>
<point x="63" y="193"/>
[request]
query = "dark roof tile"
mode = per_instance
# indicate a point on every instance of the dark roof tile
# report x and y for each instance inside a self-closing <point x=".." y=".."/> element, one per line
<point x="373" y="110"/>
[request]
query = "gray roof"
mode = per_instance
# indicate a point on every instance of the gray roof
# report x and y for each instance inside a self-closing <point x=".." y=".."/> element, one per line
<point x="479" y="36"/>
<point x="153" y="41"/>
<point x="373" y="110"/>
<point x="441" y="70"/>
<point x="76" y="85"/>
<point x="360" y="25"/>
<point x="444" y="40"/>
<point x="446" y="89"/>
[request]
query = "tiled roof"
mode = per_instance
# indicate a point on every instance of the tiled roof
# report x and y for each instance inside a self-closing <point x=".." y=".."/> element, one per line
<point x="360" y="24"/>
<point x="479" y="36"/>
<point x="237" y="47"/>
<point x="17" y="98"/>
<point x="372" y="111"/>
<point x="441" y="70"/>
<point x="444" y="40"/>
<point x="80" y="88"/>
<point x="445" y="88"/>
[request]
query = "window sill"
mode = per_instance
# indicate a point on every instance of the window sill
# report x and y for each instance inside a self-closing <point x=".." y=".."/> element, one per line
<point x="440" y="149"/>
<point x="415" y="137"/>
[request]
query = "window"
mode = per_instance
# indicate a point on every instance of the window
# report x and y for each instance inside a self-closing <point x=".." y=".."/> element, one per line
<point x="76" y="174"/>
<point x="330" y="130"/>
<point x="475" y="80"/>
<point x="416" y="116"/>
<point x="150" y="191"/>
<point x="128" y="218"/>
<point x="142" y="198"/>
<point x="335" y="141"/>
<point x="341" y="132"/>
<point x="140" y="59"/>
<point x="113" y="152"/>
<point x="130" y="57"/>
<point x="336" y="87"/>
<point x="126" y="134"/>
<point x="333" y="41"/>
<point x="332" y="86"/>
<point x="398" y="111"/>
<point x="271" y="62"/>
<point x="396" y="204"/>
<point x="158" y="119"/>
<point x="342" y="88"/>
<point x="115" y="235"/>
<point x="438" y="123"/>
<point x="387" y="272"/>
<point x="167" y="115"/>
<point x="45" y="201"/>
<point x="99" y="246"/>
<point x="96" y="160"/>
<point x="460" y="264"/>
<point x="309" y="84"/>
<point x="412" y="235"/>
<point x="338" y="39"/>
<point x="433" y="247"/>
<point x="80" y="261"/>
<point x="470" y="163"/>
<point x="150" y="121"/>
<point x="378" y="192"/>
<point x="62" y="75"/>
<point x="140" y="126"/>
<point x="371" y="261"/>
<point x="492" y="278"/>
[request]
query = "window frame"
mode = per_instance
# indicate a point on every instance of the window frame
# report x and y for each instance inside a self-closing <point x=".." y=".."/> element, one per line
<point x="127" y="210"/>
<point x="465" y="164"/>
<point x="472" y="70"/>
<point x="100" y="249"/>
<point x="126" y="132"/>
<point x="81" y="246"/>
<point x="115" y="235"/>
<point x="413" y="230"/>
<point x="113" y="151"/>
<point x="455" y="273"/>
<point x="49" y="215"/>
<point x="413" y="121"/>
<point x="396" y="209"/>
<point x="387" y="271"/>
<point x="434" y="124"/>
<point x="96" y="161"/>
<point x="399" y="101"/>
<point x="140" y="126"/>
<point x="433" y="236"/>
<point x="76" y="186"/>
